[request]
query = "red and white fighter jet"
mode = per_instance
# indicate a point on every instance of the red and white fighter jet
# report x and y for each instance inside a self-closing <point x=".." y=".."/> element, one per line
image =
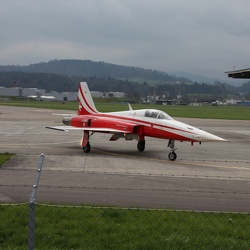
<point x="131" y="124"/>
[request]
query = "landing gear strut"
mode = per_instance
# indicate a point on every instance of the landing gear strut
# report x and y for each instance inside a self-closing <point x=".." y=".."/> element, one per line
<point x="172" y="155"/>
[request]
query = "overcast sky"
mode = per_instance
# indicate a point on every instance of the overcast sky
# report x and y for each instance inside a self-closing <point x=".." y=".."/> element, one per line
<point x="198" y="37"/>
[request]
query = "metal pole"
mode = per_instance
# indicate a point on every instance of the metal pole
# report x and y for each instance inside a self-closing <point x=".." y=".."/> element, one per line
<point x="32" y="206"/>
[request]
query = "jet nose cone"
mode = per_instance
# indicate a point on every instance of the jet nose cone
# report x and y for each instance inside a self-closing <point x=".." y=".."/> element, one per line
<point x="210" y="137"/>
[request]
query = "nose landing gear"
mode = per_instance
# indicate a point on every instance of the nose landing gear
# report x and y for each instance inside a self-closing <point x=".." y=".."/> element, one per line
<point x="172" y="155"/>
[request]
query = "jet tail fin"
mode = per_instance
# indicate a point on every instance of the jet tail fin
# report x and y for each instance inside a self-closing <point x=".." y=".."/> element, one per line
<point x="86" y="104"/>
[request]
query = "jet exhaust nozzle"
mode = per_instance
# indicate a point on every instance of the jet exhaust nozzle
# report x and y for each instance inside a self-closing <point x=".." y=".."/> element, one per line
<point x="67" y="120"/>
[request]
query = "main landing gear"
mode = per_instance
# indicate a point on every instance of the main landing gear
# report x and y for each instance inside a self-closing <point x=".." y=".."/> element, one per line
<point x="85" y="142"/>
<point x="87" y="148"/>
<point x="172" y="155"/>
<point x="141" y="145"/>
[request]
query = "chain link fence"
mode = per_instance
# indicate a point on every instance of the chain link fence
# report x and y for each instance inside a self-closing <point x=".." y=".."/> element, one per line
<point x="47" y="226"/>
<point x="82" y="227"/>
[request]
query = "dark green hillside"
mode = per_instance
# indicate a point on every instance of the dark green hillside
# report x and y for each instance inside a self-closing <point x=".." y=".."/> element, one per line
<point x="65" y="75"/>
<point x="49" y="82"/>
<point x="60" y="83"/>
<point x="87" y="68"/>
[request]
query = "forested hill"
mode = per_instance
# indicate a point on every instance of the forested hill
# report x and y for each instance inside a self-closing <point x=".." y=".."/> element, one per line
<point x="65" y="75"/>
<point x="87" y="68"/>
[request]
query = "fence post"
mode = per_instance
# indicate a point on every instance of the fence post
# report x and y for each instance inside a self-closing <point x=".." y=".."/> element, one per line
<point x="32" y="206"/>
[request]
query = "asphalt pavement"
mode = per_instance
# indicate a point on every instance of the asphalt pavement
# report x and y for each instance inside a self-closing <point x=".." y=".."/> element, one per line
<point x="206" y="177"/>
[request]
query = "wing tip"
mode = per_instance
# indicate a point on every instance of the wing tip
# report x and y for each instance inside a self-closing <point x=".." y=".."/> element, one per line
<point x="55" y="128"/>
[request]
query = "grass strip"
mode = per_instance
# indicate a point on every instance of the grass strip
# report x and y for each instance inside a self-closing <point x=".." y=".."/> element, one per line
<point x="206" y="111"/>
<point x="61" y="227"/>
<point x="5" y="157"/>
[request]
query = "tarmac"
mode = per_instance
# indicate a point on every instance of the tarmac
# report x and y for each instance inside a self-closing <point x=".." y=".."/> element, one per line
<point x="207" y="177"/>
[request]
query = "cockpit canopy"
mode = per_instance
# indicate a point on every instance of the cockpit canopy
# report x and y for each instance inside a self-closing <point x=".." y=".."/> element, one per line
<point x="153" y="113"/>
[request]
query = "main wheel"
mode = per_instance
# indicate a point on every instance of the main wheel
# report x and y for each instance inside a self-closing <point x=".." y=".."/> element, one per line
<point x="172" y="156"/>
<point x="141" y="145"/>
<point x="87" y="148"/>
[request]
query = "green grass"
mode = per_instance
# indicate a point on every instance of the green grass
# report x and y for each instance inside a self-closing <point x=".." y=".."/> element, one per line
<point x="114" y="228"/>
<point x="37" y="104"/>
<point x="209" y="112"/>
<point x="5" y="157"/>
<point x="102" y="104"/>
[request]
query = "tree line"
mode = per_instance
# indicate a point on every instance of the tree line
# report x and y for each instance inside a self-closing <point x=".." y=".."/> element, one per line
<point x="89" y="68"/>
<point x="63" y="83"/>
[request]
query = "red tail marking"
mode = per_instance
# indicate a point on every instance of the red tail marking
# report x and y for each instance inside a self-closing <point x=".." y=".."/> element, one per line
<point x="85" y="101"/>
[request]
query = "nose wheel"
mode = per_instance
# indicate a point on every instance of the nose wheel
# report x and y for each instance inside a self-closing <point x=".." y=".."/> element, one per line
<point x="172" y="155"/>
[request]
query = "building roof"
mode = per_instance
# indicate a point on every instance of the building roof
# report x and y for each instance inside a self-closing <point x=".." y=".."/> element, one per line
<point x="242" y="73"/>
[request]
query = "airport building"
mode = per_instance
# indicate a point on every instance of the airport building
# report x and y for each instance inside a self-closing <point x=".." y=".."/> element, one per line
<point x="53" y="95"/>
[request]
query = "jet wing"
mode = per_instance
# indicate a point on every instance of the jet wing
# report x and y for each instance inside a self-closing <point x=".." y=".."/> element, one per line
<point x="101" y="130"/>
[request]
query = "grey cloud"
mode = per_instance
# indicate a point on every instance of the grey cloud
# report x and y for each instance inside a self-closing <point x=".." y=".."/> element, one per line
<point x="182" y="35"/>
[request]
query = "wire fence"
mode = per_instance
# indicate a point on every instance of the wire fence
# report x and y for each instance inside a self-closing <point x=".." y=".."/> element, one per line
<point x="48" y="226"/>
<point x="83" y="227"/>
